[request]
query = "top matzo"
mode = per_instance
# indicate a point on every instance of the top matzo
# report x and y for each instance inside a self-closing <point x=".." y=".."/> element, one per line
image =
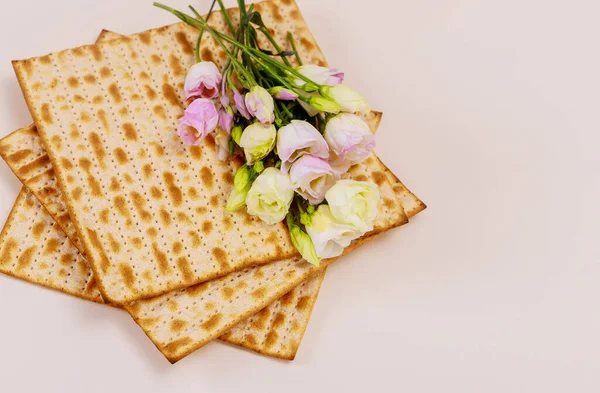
<point x="149" y="210"/>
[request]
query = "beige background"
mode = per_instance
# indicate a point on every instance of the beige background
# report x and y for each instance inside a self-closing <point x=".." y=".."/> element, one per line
<point x="491" y="116"/>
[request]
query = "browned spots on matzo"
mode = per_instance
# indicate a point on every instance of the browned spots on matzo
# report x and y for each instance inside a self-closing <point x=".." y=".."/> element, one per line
<point x="158" y="149"/>
<point x="73" y="82"/>
<point x="175" y="65"/>
<point x="161" y="259"/>
<point x="221" y="257"/>
<point x="159" y="111"/>
<point x="196" y="152"/>
<point x="8" y="250"/>
<point x="165" y="217"/>
<point x="279" y="320"/>
<point x="271" y="339"/>
<point x="214" y="201"/>
<point x="379" y="177"/>
<point x="76" y="193"/>
<point x="155" y="193"/>
<point x="207" y="54"/>
<point x="140" y="203"/>
<point x="127" y="275"/>
<point x="259" y="293"/>
<point x="262" y="318"/>
<point x="186" y="46"/>
<point x="51" y="246"/>
<point x="93" y="184"/>
<point x="147" y="171"/>
<point x="177" y="325"/>
<point x="97" y="244"/>
<point x="145" y="37"/>
<point x="144" y="76"/>
<point x="150" y="92"/>
<point x="96" y="52"/>
<point x="68" y="165"/>
<point x="155" y="59"/>
<point x="91" y="79"/>
<point x="195" y="238"/>
<point x="130" y="132"/>
<point x="19" y="156"/>
<point x="303" y="303"/>
<point x="227" y="177"/>
<point x="207" y="227"/>
<point x="105" y="72"/>
<point x="78" y="98"/>
<point x="186" y="270"/>
<point x="114" y="184"/>
<point x="121" y="156"/>
<point x="46" y="115"/>
<point x="38" y="229"/>
<point x="174" y="191"/>
<point x="38" y="163"/>
<point x="227" y="292"/>
<point x="177" y="248"/>
<point x="66" y="259"/>
<point x="212" y="322"/>
<point x="287" y="299"/>
<point x="207" y="177"/>
<point x="98" y="148"/>
<point x="184" y="218"/>
<point x="28" y="67"/>
<point x="170" y="94"/>
<point x="26" y="258"/>
<point x="192" y="193"/>
<point x="104" y="120"/>
<point x="115" y="246"/>
<point x="175" y="347"/>
<point x="104" y="215"/>
<point x="114" y="92"/>
<point x="184" y="166"/>
<point x="121" y="206"/>
<point x="197" y="290"/>
<point x="137" y="242"/>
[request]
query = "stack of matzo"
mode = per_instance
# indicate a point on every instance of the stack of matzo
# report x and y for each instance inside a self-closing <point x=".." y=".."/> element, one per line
<point x="107" y="177"/>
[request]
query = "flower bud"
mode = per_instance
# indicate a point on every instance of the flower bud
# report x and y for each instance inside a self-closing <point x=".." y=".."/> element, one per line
<point x="283" y="94"/>
<point x="240" y="104"/>
<point x="348" y="99"/>
<point x="236" y="133"/>
<point x="260" y="105"/>
<point x="323" y="104"/>
<point x="303" y="243"/>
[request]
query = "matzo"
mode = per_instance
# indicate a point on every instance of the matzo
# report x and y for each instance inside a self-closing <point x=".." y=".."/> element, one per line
<point x="291" y="313"/>
<point x="33" y="248"/>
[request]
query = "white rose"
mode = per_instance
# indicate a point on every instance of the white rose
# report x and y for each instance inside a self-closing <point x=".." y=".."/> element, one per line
<point x="355" y="203"/>
<point x="258" y="141"/>
<point x="329" y="236"/>
<point x="270" y="196"/>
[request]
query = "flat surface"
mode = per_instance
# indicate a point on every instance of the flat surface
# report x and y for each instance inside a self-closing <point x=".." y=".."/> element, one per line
<point x="490" y="117"/>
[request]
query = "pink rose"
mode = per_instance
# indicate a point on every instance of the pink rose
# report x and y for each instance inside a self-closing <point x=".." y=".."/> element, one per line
<point x="312" y="177"/>
<point x="350" y="140"/>
<point x="202" y="81"/>
<point x="260" y="105"/>
<point x="240" y="105"/>
<point x="198" y="120"/>
<point x="297" y="139"/>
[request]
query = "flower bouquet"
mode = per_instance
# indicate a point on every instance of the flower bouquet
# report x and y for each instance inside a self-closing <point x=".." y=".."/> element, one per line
<point x="298" y="129"/>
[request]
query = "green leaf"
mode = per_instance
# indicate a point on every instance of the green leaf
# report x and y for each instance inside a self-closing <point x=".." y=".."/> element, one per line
<point x="256" y="18"/>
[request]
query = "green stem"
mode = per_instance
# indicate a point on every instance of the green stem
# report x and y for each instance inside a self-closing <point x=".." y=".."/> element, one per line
<point x="226" y="17"/>
<point x="251" y="51"/>
<point x="197" y="51"/>
<point x="290" y="38"/>
<point x="216" y="35"/>
<point x="275" y="45"/>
